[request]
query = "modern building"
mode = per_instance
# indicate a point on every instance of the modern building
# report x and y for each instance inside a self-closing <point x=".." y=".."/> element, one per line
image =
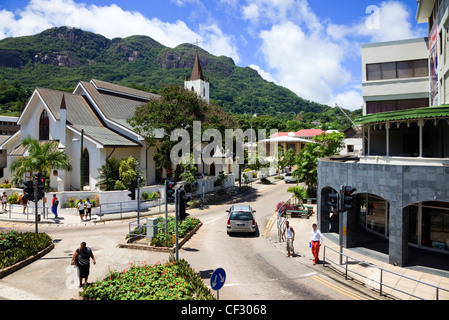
<point x="402" y="176"/>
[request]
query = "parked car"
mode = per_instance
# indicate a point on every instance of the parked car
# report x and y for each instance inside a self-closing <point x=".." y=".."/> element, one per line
<point x="241" y="219"/>
<point x="289" y="178"/>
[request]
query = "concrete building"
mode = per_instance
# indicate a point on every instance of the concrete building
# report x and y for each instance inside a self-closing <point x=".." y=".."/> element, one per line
<point x="402" y="176"/>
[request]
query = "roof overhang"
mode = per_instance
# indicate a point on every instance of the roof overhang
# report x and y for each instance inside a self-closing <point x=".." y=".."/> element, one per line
<point x="409" y="114"/>
<point x="424" y="11"/>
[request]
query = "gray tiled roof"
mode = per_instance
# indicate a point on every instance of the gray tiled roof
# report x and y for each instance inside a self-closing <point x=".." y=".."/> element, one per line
<point x="81" y="116"/>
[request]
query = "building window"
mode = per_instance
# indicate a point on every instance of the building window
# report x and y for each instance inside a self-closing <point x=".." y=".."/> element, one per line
<point x="374" y="213"/>
<point x="429" y="225"/>
<point x="393" y="105"/>
<point x="44" y="126"/>
<point x="397" y="70"/>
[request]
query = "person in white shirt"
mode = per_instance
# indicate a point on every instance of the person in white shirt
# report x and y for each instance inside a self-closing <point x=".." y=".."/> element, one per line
<point x="290" y="238"/>
<point x="316" y="239"/>
<point x="81" y="209"/>
<point x="88" y="206"/>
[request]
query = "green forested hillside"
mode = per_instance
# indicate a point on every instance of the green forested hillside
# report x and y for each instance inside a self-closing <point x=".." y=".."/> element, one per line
<point x="60" y="57"/>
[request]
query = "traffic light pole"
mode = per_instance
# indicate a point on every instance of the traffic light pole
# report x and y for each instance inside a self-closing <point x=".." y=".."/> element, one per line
<point x="138" y="203"/>
<point x="166" y="206"/>
<point x="340" y="221"/>
<point x="176" y="223"/>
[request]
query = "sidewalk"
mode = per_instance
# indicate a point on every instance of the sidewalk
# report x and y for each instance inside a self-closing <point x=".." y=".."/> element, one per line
<point x="363" y="271"/>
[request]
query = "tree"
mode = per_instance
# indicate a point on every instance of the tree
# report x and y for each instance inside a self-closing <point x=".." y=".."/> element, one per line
<point x="307" y="161"/>
<point x="109" y="174"/>
<point x="331" y="142"/>
<point x="306" y="170"/>
<point x="42" y="158"/>
<point x="176" y="109"/>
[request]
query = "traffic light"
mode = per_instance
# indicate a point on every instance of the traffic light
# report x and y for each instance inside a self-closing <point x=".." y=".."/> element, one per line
<point x="183" y="199"/>
<point x="40" y="186"/>
<point x="347" y="198"/>
<point x="170" y="190"/>
<point x="132" y="189"/>
<point x="333" y="201"/>
<point x="29" y="189"/>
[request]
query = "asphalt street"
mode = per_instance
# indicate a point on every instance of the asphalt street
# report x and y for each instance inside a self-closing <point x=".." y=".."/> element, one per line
<point x="256" y="268"/>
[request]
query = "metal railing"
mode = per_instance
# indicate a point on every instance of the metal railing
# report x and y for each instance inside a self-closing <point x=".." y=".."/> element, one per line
<point x="128" y="206"/>
<point x="16" y="210"/>
<point x="382" y="272"/>
<point x="280" y="219"/>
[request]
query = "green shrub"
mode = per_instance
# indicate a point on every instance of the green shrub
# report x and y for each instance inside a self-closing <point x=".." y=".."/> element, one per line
<point x="168" y="281"/>
<point x="166" y="240"/>
<point x="30" y="244"/>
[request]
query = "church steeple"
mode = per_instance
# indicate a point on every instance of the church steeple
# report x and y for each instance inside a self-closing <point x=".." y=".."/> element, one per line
<point x="197" y="73"/>
<point x="196" y="82"/>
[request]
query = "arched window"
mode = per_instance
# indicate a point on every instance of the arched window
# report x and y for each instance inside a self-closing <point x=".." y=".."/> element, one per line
<point x="44" y="126"/>
<point x="86" y="168"/>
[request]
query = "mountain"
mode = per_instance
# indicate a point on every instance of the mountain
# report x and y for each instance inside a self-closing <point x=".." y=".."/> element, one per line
<point x="60" y="57"/>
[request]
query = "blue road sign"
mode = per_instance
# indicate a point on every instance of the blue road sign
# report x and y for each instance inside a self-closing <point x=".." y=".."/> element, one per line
<point x="218" y="279"/>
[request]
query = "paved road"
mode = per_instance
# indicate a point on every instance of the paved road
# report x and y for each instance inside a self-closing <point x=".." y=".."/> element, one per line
<point x="255" y="268"/>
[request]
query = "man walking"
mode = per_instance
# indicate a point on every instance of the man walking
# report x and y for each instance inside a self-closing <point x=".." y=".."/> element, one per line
<point x="290" y="238"/>
<point x="316" y="239"/>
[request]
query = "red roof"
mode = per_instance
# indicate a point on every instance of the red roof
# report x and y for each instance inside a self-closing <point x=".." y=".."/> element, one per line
<point x="300" y="133"/>
<point x="309" y="132"/>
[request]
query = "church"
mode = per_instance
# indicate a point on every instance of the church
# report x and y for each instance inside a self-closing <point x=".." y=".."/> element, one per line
<point x="91" y="126"/>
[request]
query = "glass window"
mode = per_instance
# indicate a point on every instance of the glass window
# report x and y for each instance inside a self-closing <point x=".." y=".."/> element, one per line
<point x="405" y="69"/>
<point x="388" y="70"/>
<point x="373" y="72"/>
<point x="44" y="126"/>
<point x="435" y="228"/>
<point x="421" y="68"/>
<point x="376" y="215"/>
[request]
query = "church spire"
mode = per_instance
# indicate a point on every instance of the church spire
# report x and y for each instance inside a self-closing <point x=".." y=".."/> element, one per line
<point x="197" y="73"/>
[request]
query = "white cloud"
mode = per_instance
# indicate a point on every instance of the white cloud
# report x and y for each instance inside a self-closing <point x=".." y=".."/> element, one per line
<point x="308" y="54"/>
<point x="111" y="21"/>
<point x="266" y="75"/>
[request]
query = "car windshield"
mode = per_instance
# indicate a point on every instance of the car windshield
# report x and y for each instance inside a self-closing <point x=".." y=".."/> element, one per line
<point x="288" y="174"/>
<point x="240" y="215"/>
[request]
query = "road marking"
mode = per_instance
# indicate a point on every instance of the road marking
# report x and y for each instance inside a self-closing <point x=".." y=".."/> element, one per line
<point x="337" y="288"/>
<point x="270" y="224"/>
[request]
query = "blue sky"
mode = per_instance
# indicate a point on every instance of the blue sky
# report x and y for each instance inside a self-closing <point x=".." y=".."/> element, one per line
<point x="311" y="47"/>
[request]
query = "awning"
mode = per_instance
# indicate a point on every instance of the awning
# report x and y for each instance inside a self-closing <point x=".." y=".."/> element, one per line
<point x="427" y="112"/>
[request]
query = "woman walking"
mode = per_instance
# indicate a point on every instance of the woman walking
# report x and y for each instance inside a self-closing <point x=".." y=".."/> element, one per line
<point x="81" y="258"/>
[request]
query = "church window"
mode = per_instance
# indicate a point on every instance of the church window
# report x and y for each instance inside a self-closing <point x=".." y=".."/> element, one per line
<point x="44" y="126"/>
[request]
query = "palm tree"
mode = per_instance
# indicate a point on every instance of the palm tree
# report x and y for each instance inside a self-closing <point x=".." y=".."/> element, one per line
<point x="42" y="158"/>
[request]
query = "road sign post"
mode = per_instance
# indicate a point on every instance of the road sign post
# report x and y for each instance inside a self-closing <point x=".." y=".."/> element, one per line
<point x="217" y="280"/>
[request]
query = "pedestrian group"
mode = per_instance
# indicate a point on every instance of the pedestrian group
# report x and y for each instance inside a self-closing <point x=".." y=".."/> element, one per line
<point x="316" y="240"/>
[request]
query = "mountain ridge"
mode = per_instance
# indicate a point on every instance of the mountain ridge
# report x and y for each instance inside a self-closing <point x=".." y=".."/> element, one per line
<point x="60" y="57"/>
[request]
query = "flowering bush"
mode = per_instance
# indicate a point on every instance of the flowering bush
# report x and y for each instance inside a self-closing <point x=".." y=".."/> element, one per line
<point x="9" y="239"/>
<point x="283" y="207"/>
<point x="168" y="281"/>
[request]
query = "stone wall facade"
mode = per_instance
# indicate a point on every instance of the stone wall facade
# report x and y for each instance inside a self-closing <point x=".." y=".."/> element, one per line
<point x="400" y="185"/>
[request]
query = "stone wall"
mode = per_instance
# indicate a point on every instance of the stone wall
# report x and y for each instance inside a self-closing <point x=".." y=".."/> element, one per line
<point x="400" y="185"/>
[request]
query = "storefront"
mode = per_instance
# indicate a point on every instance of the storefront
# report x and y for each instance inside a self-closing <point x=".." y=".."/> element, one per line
<point x="374" y="213"/>
<point x="429" y="225"/>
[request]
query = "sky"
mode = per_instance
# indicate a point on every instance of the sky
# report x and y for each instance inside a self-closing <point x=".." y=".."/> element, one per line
<point x="312" y="47"/>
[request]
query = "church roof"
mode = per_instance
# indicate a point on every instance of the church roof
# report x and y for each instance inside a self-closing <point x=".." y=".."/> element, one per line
<point x="80" y="116"/>
<point x="197" y="73"/>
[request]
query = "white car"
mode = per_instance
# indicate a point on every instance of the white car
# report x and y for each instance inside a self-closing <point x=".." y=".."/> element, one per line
<point x="241" y="219"/>
<point x="289" y="178"/>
